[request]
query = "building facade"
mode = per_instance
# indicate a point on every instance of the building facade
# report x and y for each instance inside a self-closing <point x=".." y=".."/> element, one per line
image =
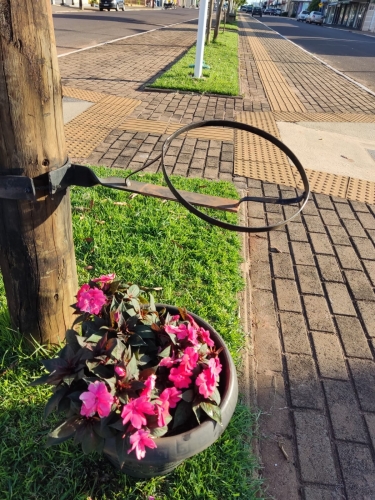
<point x="346" y="13"/>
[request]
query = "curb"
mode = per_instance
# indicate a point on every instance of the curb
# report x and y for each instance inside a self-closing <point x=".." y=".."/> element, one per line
<point x="188" y="92"/>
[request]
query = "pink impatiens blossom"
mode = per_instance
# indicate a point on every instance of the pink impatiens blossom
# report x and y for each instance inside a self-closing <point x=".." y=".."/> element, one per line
<point x="97" y="399"/>
<point x="162" y="411"/>
<point x="106" y="278"/>
<point x="139" y="440"/>
<point x="206" y="381"/>
<point x="189" y="358"/>
<point x="135" y="412"/>
<point x="172" y="395"/>
<point x="180" y="377"/>
<point x="205" y="336"/>
<point x="215" y="366"/>
<point x="168" y="362"/>
<point x="121" y="372"/>
<point x="90" y="300"/>
<point x="149" y="386"/>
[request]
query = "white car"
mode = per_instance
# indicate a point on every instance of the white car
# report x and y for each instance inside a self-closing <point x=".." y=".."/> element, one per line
<point x="315" y="18"/>
<point x="303" y="15"/>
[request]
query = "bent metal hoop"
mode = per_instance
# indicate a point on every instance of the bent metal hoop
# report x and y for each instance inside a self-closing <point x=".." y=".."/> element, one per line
<point x="248" y="128"/>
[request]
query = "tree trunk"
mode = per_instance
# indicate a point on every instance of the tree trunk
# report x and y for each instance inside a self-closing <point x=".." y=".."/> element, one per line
<point x="209" y="21"/>
<point x="218" y="16"/>
<point x="36" y="244"/>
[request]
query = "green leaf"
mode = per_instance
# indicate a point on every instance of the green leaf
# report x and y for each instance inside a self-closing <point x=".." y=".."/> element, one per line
<point x="212" y="411"/>
<point x="91" y="441"/>
<point x="152" y="303"/>
<point x="133" y="291"/>
<point x="122" y="447"/>
<point x="183" y="413"/>
<point x="188" y="395"/>
<point x="132" y="369"/>
<point x="41" y="380"/>
<point x="144" y="331"/>
<point x="102" y="428"/>
<point x="118" y="425"/>
<point x="54" y="400"/>
<point x="136" y="340"/>
<point x="215" y="396"/>
<point x="94" y="338"/>
<point x="158" y="432"/>
<point x="64" y="431"/>
<point x="54" y="364"/>
<point x="116" y="348"/>
<point x="165" y="353"/>
<point x="197" y="411"/>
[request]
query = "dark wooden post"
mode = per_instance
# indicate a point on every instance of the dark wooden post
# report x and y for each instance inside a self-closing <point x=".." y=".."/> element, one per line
<point x="36" y="244"/>
<point x="209" y="21"/>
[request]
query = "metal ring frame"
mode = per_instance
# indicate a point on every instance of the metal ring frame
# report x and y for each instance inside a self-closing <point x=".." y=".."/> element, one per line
<point x="248" y="128"/>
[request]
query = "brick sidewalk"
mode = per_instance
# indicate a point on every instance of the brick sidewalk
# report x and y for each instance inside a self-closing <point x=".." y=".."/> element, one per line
<point x="312" y="282"/>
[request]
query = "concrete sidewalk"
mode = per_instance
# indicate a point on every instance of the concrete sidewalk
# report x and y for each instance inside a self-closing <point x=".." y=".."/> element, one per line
<point x="310" y="361"/>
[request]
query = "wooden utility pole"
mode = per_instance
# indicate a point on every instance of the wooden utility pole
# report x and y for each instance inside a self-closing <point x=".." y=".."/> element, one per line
<point x="36" y="245"/>
<point x="218" y="18"/>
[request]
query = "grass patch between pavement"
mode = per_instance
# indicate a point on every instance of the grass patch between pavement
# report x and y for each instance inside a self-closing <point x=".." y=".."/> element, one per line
<point x="153" y="243"/>
<point x="221" y="78"/>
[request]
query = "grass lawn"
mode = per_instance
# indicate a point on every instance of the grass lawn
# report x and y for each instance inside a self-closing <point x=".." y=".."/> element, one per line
<point x="153" y="243"/>
<point x="221" y="78"/>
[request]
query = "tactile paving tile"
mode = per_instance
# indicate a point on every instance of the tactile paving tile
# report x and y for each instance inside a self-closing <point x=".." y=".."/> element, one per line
<point x="91" y="127"/>
<point x="323" y="117"/>
<point x="85" y="95"/>
<point x="360" y="190"/>
<point x="152" y="126"/>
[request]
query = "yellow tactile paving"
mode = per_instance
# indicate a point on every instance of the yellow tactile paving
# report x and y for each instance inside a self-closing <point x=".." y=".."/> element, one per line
<point x="323" y="117"/>
<point x="91" y="127"/>
<point x="360" y="190"/>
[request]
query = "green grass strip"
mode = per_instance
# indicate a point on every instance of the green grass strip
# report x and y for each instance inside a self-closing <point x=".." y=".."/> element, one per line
<point x="221" y="78"/>
<point x="153" y="243"/>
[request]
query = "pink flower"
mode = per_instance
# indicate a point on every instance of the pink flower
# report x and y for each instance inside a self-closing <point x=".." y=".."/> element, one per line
<point x="121" y="372"/>
<point x="162" y="411"/>
<point x="135" y="411"/>
<point x="149" y="386"/>
<point x="205" y="336"/>
<point x="180" y="377"/>
<point x="172" y="395"/>
<point x="189" y="358"/>
<point x="168" y="362"/>
<point x="97" y="399"/>
<point x="215" y="366"/>
<point x="180" y="331"/>
<point x="139" y="440"/>
<point x="206" y="381"/>
<point x="106" y="278"/>
<point x="90" y="300"/>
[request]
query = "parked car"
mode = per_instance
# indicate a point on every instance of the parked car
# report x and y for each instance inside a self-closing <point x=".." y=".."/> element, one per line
<point x="243" y="8"/>
<point x="303" y="15"/>
<point x="277" y="12"/>
<point x="111" y="4"/>
<point x="268" y="11"/>
<point x="249" y="9"/>
<point x="257" y="11"/>
<point x="315" y="18"/>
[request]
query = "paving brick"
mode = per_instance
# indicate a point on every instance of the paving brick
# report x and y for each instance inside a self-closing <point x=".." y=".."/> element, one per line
<point x="344" y="411"/>
<point x="266" y="334"/>
<point x="367" y="220"/>
<point x="348" y="258"/>
<point x="354" y="228"/>
<point x="297" y="232"/>
<point x="372" y="235"/>
<point x="318" y="316"/>
<point x="360" y="285"/>
<point x="370" y="421"/>
<point x="370" y="268"/>
<point x="338" y="235"/>
<point x="330" y="218"/>
<point x="312" y="493"/>
<point x="345" y="211"/>
<point x="305" y="387"/>
<point x="353" y="337"/>
<point x="314" y="224"/>
<point x="358" y="206"/>
<point x="294" y="333"/>
<point x="272" y="401"/>
<point x="363" y="372"/>
<point x="278" y="241"/>
<point x="314" y="448"/>
<point x="367" y="310"/>
<point x="358" y="470"/>
<point x="260" y="275"/>
<point x="282" y="265"/>
<point x="365" y="248"/>
<point x="258" y="248"/>
<point x="329" y="269"/>
<point x="302" y="254"/>
<point x="309" y="281"/>
<point x="329" y="355"/>
<point x="287" y="295"/>
<point x="339" y="298"/>
<point x="321" y="244"/>
<point x="323" y="201"/>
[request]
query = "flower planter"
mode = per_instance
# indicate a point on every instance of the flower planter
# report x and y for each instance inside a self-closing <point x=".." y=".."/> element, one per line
<point x="173" y="450"/>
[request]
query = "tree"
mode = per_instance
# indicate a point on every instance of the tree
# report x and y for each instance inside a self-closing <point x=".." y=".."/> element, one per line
<point x="314" y="5"/>
<point x="37" y="257"/>
<point x="218" y="17"/>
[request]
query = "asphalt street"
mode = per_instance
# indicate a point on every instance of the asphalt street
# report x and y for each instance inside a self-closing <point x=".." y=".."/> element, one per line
<point x="75" y="29"/>
<point x="352" y="53"/>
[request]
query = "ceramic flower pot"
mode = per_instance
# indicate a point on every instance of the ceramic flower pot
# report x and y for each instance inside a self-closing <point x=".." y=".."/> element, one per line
<point x="173" y="450"/>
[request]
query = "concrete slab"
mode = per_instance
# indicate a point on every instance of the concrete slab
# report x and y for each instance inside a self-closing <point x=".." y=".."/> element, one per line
<point x="73" y="107"/>
<point x="337" y="148"/>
